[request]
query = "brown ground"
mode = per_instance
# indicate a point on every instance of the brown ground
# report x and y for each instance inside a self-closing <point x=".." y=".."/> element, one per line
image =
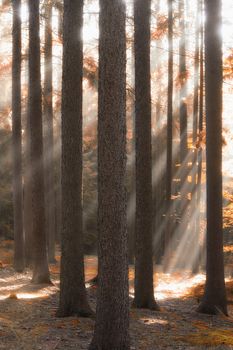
<point x="28" y="321"/>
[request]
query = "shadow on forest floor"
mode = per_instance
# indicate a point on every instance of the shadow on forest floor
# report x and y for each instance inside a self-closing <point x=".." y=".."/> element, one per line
<point x="28" y="321"/>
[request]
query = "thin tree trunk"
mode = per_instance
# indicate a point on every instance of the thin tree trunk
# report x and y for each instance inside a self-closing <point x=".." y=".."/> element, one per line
<point x="196" y="167"/>
<point x="169" y="129"/>
<point x="214" y="299"/>
<point x="27" y="199"/>
<point x="73" y="297"/>
<point x="112" y="314"/>
<point x="157" y="164"/>
<point x="183" y="115"/>
<point x="196" y="74"/>
<point x="48" y="135"/>
<point x="183" y="88"/>
<point x="40" y="263"/>
<point x="200" y="126"/>
<point x="144" y="289"/>
<point x="131" y="199"/>
<point x="19" y="261"/>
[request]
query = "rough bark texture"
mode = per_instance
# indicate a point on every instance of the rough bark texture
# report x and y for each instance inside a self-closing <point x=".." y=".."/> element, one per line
<point x="131" y="197"/>
<point x="27" y="200"/>
<point x="214" y="299"/>
<point x="17" y="139"/>
<point x="144" y="290"/>
<point x="40" y="263"/>
<point x="196" y="73"/>
<point x="158" y="182"/>
<point x="183" y="87"/>
<point x="200" y="256"/>
<point x="73" y="298"/>
<point x="183" y="116"/>
<point x="48" y="135"/>
<point x="194" y="208"/>
<point x="112" y="315"/>
<point x="169" y="128"/>
<point x="202" y="78"/>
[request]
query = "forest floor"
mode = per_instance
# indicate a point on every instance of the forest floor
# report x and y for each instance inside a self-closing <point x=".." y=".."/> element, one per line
<point x="28" y="315"/>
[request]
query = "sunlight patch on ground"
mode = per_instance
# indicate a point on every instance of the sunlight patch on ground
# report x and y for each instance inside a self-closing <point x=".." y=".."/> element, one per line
<point x="11" y="287"/>
<point x="176" y="285"/>
<point x="30" y="295"/>
<point x="18" y="286"/>
<point x="152" y="320"/>
<point x="14" y="278"/>
<point x="42" y="293"/>
<point x="228" y="249"/>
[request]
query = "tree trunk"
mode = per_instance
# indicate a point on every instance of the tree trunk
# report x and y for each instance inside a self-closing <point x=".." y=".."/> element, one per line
<point x="184" y="211"/>
<point x="19" y="261"/>
<point x="196" y="73"/>
<point x="112" y="315"/>
<point x="40" y="263"/>
<point x="131" y="199"/>
<point x="27" y="200"/>
<point x="195" y="208"/>
<point x="73" y="297"/>
<point x="183" y="90"/>
<point x="144" y="289"/>
<point x="157" y="164"/>
<point x="200" y="256"/>
<point x="169" y="129"/>
<point x="214" y="299"/>
<point x="48" y="135"/>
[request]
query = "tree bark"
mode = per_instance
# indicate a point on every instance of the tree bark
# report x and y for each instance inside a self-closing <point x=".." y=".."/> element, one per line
<point x="48" y="135"/>
<point x="73" y="297"/>
<point x="40" y="263"/>
<point x="183" y="91"/>
<point x="169" y="129"/>
<point x="112" y="315"/>
<point x="19" y="258"/>
<point x="214" y="299"/>
<point x="27" y="200"/>
<point x="195" y="208"/>
<point x="144" y="289"/>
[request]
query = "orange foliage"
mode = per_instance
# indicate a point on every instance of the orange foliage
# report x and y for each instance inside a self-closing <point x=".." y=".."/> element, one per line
<point x="6" y="248"/>
<point x="228" y="249"/>
<point x="90" y="70"/>
<point x="198" y="291"/>
<point x="228" y="66"/>
<point x="161" y="30"/>
<point x="182" y="78"/>
<point x="5" y="67"/>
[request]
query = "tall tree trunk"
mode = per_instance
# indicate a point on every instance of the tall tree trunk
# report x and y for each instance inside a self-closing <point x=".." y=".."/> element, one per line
<point x="48" y="135"/>
<point x="183" y="88"/>
<point x="73" y="297"/>
<point x="112" y="315"/>
<point x="40" y="263"/>
<point x="202" y="78"/>
<point x="200" y="255"/>
<point x="27" y="200"/>
<point x="131" y="199"/>
<point x="169" y="128"/>
<point x="196" y="75"/>
<point x="184" y="211"/>
<point x="19" y="261"/>
<point x="144" y="289"/>
<point x="215" y="294"/>
<point x="195" y="168"/>
<point x="157" y="163"/>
